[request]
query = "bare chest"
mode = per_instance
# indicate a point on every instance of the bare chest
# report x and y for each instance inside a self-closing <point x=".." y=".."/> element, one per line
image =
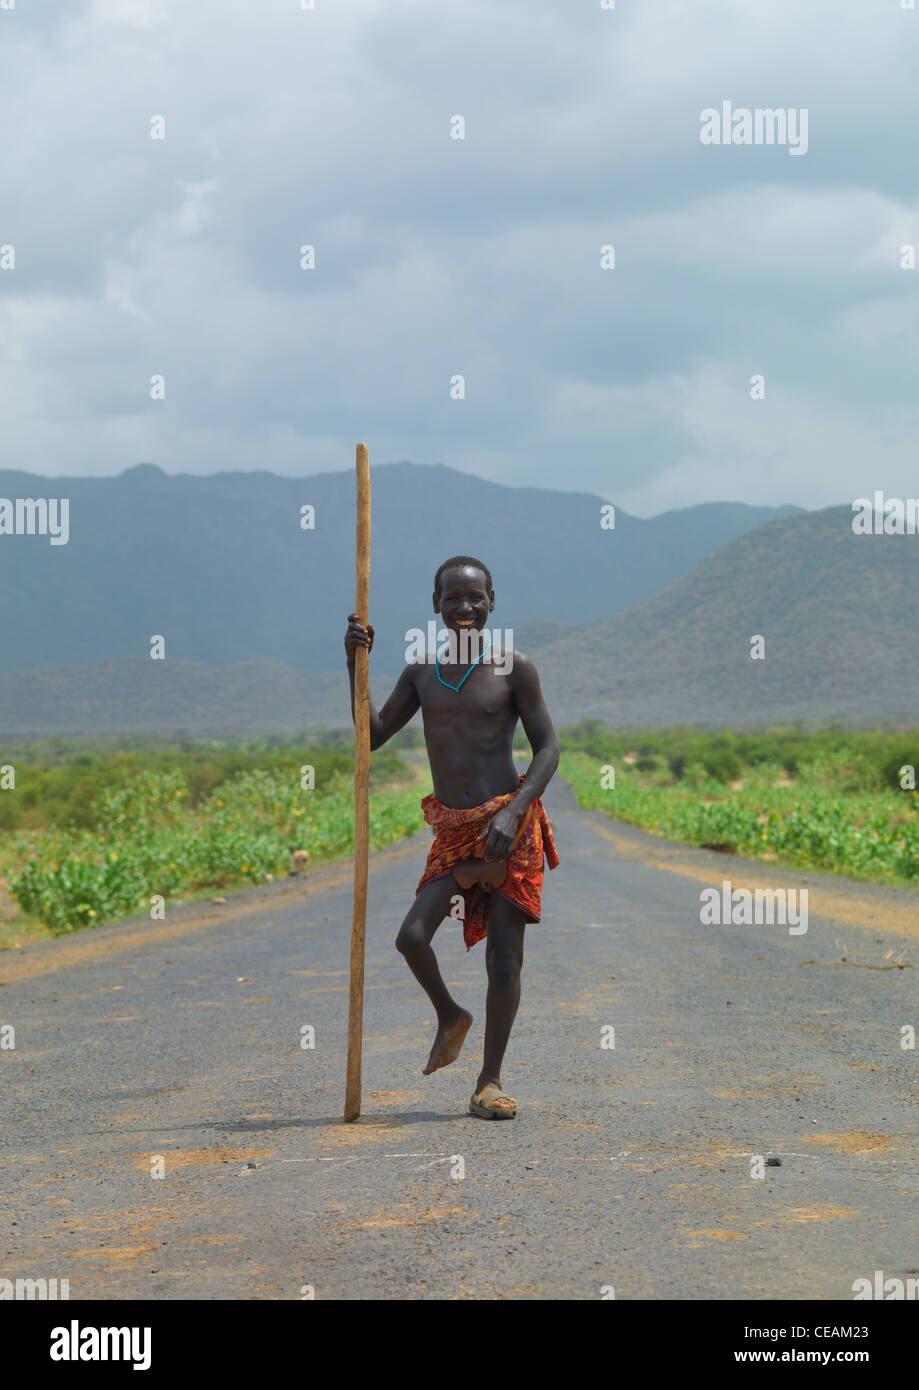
<point x="483" y="694"/>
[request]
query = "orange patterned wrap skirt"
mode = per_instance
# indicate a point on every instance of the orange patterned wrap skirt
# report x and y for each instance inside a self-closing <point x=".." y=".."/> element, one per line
<point x="457" y="836"/>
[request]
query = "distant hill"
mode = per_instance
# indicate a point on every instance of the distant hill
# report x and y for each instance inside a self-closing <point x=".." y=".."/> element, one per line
<point x="140" y="695"/>
<point x="220" y="567"/>
<point x="837" y="611"/>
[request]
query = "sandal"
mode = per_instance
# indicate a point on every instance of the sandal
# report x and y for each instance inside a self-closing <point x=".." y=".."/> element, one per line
<point x="492" y="1104"/>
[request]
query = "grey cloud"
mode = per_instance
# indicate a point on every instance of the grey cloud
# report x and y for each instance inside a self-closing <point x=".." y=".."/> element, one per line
<point x="480" y="257"/>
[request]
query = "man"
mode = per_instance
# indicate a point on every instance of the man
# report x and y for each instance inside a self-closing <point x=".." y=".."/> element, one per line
<point x="491" y="832"/>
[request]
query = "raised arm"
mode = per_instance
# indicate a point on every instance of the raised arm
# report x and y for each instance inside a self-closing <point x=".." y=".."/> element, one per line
<point x="402" y="703"/>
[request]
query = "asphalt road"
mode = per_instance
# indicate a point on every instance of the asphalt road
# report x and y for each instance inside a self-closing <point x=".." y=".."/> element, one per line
<point x="627" y="1167"/>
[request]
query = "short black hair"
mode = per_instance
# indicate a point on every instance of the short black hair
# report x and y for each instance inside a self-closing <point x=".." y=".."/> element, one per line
<point x="458" y="561"/>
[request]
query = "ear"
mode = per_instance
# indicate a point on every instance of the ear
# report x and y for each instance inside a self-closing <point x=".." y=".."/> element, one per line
<point x="491" y="601"/>
<point x="436" y="601"/>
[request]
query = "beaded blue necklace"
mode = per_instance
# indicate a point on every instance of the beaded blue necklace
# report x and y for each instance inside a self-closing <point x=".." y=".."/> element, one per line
<point x="457" y="688"/>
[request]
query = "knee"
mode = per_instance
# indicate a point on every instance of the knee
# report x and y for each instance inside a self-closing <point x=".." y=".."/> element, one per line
<point x="410" y="937"/>
<point x="503" y="967"/>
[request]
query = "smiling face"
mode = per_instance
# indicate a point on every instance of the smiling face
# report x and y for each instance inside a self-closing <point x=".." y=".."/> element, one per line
<point x="464" y="601"/>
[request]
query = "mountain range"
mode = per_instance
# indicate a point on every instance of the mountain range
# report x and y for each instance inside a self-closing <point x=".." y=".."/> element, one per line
<point x="703" y="591"/>
<point x="220" y="567"/>
<point x="835" y="610"/>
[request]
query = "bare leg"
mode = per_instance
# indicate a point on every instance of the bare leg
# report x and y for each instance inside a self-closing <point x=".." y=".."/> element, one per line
<point x="425" y="915"/>
<point x="503" y="961"/>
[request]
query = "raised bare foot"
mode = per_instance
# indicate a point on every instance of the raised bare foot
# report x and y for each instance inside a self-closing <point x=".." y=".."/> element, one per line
<point x="490" y="871"/>
<point x="448" y="1042"/>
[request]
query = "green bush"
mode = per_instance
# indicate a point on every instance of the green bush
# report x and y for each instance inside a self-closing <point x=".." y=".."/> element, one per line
<point x="810" y="824"/>
<point x="147" y="839"/>
<point x="723" y="764"/>
<point x="677" y="764"/>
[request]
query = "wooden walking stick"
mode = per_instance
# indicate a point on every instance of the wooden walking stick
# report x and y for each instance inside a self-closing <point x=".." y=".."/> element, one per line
<point x="361" y="794"/>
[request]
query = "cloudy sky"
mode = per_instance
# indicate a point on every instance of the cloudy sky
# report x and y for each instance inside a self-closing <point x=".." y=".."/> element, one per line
<point x="480" y="257"/>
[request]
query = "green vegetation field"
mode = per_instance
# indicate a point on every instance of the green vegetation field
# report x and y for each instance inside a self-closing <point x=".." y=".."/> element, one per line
<point x="831" y="799"/>
<point x="93" y="831"/>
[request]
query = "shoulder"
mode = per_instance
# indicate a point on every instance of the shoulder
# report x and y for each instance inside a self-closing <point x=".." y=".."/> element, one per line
<point x="523" y="672"/>
<point x="409" y="675"/>
<point x="522" y="662"/>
